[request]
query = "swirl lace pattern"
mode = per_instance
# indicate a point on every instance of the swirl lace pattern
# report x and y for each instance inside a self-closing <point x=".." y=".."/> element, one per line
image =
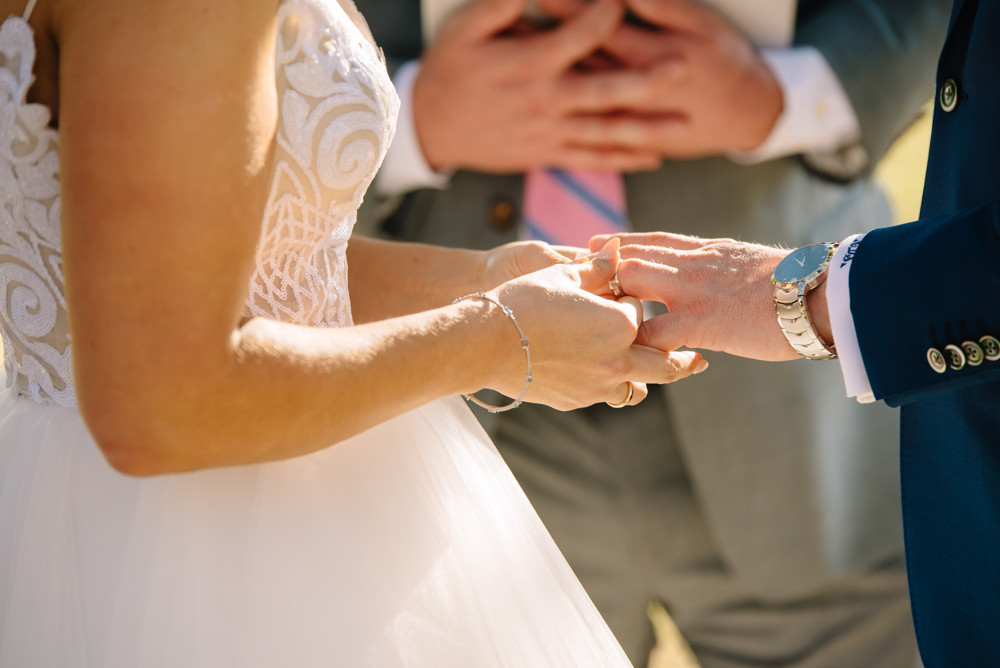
<point x="33" y="322"/>
<point x="336" y="119"/>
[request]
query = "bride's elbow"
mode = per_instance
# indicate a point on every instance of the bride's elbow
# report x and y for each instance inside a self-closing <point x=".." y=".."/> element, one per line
<point x="135" y="462"/>
<point x="129" y="445"/>
<point x="155" y="410"/>
<point x="141" y="435"/>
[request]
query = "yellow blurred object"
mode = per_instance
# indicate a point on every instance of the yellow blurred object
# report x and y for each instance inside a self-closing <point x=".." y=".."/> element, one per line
<point x="671" y="650"/>
<point x="901" y="172"/>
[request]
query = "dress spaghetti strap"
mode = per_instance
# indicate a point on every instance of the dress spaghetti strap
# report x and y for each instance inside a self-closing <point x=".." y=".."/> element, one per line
<point x="29" y="9"/>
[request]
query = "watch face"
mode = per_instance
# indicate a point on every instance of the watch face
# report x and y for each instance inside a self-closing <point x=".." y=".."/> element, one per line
<point x="802" y="263"/>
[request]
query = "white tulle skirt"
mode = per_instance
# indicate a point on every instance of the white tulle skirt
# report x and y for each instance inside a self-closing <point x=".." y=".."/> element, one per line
<point x="408" y="545"/>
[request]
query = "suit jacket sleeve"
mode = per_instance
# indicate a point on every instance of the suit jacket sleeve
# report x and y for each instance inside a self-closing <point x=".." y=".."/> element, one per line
<point x="883" y="52"/>
<point x="926" y="284"/>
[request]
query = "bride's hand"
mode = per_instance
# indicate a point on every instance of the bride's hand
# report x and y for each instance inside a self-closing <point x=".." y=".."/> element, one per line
<point x="515" y="259"/>
<point x="583" y="348"/>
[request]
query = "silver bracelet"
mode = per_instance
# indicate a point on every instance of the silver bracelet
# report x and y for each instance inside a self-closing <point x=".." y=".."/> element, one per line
<point x="527" y="357"/>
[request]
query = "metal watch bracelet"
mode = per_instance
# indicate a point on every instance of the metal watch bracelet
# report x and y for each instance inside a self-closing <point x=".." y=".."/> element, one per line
<point x="793" y="313"/>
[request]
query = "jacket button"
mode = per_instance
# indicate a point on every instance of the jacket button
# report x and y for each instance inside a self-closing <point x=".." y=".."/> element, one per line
<point x="956" y="358"/>
<point x="948" y="96"/>
<point x="991" y="347"/>
<point x="936" y="360"/>
<point x="973" y="353"/>
<point x="501" y="214"/>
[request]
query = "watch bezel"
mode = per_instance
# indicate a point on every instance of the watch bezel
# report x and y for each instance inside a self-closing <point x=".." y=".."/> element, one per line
<point x="811" y="274"/>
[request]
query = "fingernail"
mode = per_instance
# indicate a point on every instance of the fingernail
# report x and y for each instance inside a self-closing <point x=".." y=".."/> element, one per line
<point x="700" y="365"/>
<point x="610" y="247"/>
<point x="585" y="258"/>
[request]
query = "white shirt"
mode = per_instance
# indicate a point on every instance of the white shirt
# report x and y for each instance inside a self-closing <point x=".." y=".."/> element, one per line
<point x="838" y="298"/>
<point x="817" y="116"/>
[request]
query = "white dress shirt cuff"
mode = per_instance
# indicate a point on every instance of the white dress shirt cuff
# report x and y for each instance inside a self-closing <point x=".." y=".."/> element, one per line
<point x="818" y="116"/>
<point x="838" y="298"/>
<point x="405" y="167"/>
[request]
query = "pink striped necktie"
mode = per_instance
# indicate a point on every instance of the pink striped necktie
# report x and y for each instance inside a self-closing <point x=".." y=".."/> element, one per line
<point x="568" y="207"/>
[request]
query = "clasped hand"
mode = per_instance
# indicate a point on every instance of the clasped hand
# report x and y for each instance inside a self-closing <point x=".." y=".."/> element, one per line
<point x="593" y="91"/>
<point x="583" y="341"/>
<point x="718" y="293"/>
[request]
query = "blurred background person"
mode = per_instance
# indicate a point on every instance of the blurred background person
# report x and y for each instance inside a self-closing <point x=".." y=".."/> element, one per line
<point x="755" y="501"/>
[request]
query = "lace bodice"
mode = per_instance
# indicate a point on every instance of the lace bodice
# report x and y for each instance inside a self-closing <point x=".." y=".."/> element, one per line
<point x="337" y="110"/>
<point x="336" y="118"/>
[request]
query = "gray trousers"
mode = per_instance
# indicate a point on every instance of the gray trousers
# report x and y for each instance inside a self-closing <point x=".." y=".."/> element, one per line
<point x="611" y="486"/>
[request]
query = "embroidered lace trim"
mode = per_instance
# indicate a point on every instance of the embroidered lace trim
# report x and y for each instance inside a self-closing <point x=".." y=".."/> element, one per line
<point x="32" y="297"/>
<point x="337" y="114"/>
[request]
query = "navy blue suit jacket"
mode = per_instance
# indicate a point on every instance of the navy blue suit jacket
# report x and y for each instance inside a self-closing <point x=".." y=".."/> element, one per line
<point x="929" y="284"/>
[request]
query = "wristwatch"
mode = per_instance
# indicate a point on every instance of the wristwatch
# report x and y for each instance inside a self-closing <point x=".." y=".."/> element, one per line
<point x="802" y="270"/>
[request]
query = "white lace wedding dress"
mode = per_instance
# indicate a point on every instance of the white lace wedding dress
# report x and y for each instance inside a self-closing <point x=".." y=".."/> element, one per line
<point x="408" y="545"/>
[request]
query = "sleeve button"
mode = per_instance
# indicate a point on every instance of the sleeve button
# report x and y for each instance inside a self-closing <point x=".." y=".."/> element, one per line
<point x="973" y="353"/>
<point x="936" y="360"/>
<point x="956" y="358"/>
<point x="948" y="96"/>
<point x="501" y="214"/>
<point x="991" y="347"/>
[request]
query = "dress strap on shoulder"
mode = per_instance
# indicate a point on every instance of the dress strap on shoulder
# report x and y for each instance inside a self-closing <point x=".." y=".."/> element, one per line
<point x="28" y="9"/>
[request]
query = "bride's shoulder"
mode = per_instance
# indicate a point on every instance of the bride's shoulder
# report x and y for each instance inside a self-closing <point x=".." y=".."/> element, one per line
<point x="138" y="50"/>
<point x="215" y="24"/>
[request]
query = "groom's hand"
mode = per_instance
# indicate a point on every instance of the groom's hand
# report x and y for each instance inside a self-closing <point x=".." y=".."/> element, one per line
<point x="718" y="292"/>
<point x="492" y="97"/>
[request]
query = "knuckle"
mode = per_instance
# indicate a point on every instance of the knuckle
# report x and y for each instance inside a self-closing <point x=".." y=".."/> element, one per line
<point x="672" y="70"/>
<point x="675" y="365"/>
<point x="616" y="368"/>
<point x="626" y="323"/>
<point x="589" y="128"/>
<point x="629" y="132"/>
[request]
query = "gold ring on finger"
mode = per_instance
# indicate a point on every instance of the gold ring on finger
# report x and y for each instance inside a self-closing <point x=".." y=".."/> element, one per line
<point x="616" y="287"/>
<point x="628" y="396"/>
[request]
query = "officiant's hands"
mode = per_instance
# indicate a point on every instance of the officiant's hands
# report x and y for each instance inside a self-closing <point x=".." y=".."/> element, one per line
<point x="718" y="292"/>
<point x="708" y="84"/>
<point x="595" y="91"/>
<point x="495" y="97"/>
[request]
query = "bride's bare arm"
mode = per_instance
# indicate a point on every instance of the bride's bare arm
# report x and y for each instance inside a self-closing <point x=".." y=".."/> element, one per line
<point x="390" y="278"/>
<point x="167" y="123"/>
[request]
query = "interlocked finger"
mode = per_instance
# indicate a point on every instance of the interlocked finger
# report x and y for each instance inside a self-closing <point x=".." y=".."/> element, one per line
<point x="577" y="36"/>
<point x="661" y="239"/>
<point x="636" y="305"/>
<point x="651" y="365"/>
